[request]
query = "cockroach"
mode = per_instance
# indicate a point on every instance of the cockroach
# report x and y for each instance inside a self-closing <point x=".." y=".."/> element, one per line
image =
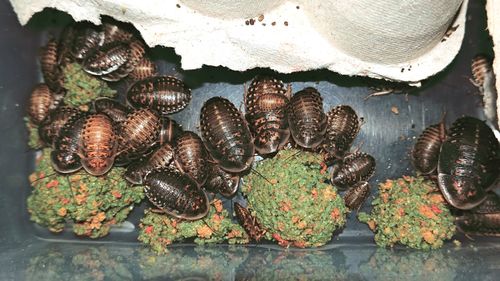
<point x="490" y="205"/>
<point x="191" y="157"/>
<point x="170" y="130"/>
<point x="265" y="104"/>
<point x="484" y="79"/>
<point x="176" y="194"/>
<point x="41" y="102"/>
<point x="356" y="195"/>
<point x="222" y="182"/>
<point x="136" y="51"/>
<point x="249" y="222"/>
<point x="64" y="49"/>
<point x="165" y="94"/>
<point x="425" y="153"/>
<point x="64" y="157"/>
<point x="112" y="108"/>
<point x="98" y="144"/>
<point x="52" y="74"/>
<point x="161" y="158"/>
<point x="53" y="124"/>
<point x="469" y="163"/>
<point x="354" y="168"/>
<point x="86" y="39"/>
<point x="342" y="128"/>
<point x="114" y="32"/>
<point x="106" y="59"/>
<point x="145" y="68"/>
<point x="306" y="118"/>
<point x="226" y="135"/>
<point x="479" y="224"/>
<point x="138" y="133"/>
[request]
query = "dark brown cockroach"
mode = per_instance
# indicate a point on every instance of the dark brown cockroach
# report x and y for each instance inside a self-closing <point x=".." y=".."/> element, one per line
<point x="145" y="68"/>
<point x="86" y="39"/>
<point x="165" y="94"/>
<point x="176" y="194"/>
<point x="170" y="130"/>
<point x="265" y="104"/>
<point x="191" y="157"/>
<point x="136" y="52"/>
<point x="425" y="153"/>
<point x="249" y="222"/>
<point x="306" y="118"/>
<point x="138" y="133"/>
<point x="106" y="59"/>
<point x="112" y="108"/>
<point x="64" y="49"/>
<point x="98" y="144"/>
<point x="490" y="205"/>
<point x="484" y="79"/>
<point x="115" y="32"/>
<point x="41" y="102"/>
<point x="65" y="157"/>
<point x="479" y="224"/>
<point x="342" y="128"/>
<point x="356" y="195"/>
<point x="52" y="74"/>
<point x="161" y="158"/>
<point x="354" y="168"/>
<point x="222" y="182"/>
<point x="469" y="163"/>
<point x="226" y="135"/>
<point x="56" y="120"/>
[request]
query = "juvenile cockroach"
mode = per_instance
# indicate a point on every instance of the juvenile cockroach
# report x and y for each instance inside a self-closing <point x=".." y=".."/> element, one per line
<point x="136" y="51"/>
<point x="191" y="157"/>
<point x="65" y="157"/>
<point x="484" y="79"/>
<point x="170" y="130"/>
<point x="112" y="108"/>
<point x="176" y="194"/>
<point x="469" y="163"/>
<point x="342" y="128"/>
<point x="98" y="144"/>
<point x="114" y="32"/>
<point x="356" y="195"/>
<point x="87" y="39"/>
<point x="265" y="104"/>
<point x="425" y="153"/>
<point x="145" y="68"/>
<point x="161" y="158"/>
<point x="479" y="224"/>
<point x="64" y="56"/>
<point x="41" y="102"/>
<point x="52" y="74"/>
<point x="106" y="59"/>
<point x="354" y="168"/>
<point x="165" y="94"/>
<point x="490" y="205"/>
<point x="222" y="182"/>
<point x="306" y="118"/>
<point x="226" y="135"/>
<point x="53" y="124"/>
<point x="249" y="222"/>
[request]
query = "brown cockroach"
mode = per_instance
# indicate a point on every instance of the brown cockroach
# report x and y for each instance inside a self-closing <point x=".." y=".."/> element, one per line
<point x="479" y="224"/>
<point x="226" y="135"/>
<point x="64" y="56"/>
<point x="484" y="79"/>
<point x="98" y="144"/>
<point x="86" y="39"/>
<point x="115" y="32"/>
<point x="136" y="52"/>
<point x="112" y="108"/>
<point x="354" y="168"/>
<point x="145" y="68"/>
<point x="139" y="132"/>
<point x="265" y="104"/>
<point x="343" y="127"/>
<point x="64" y="157"/>
<point x="170" y="130"/>
<point x="191" y="157"/>
<point x="176" y="194"/>
<point x="356" y="195"/>
<point x="425" y="153"/>
<point x="161" y="158"/>
<point x="41" y="102"/>
<point x="249" y="222"/>
<point x="490" y="205"/>
<point x="52" y="74"/>
<point x="222" y="182"/>
<point x="166" y="94"/>
<point x="306" y="118"/>
<point x="106" y="59"/>
<point x="53" y="124"/>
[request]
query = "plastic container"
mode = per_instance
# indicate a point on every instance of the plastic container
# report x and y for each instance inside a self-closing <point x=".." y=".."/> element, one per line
<point x="28" y="251"/>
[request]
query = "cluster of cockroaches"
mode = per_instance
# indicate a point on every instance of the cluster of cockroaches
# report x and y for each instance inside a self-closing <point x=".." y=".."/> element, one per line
<point x="465" y="161"/>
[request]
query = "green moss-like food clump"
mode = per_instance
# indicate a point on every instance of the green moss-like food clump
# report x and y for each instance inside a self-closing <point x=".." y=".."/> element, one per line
<point x="92" y="203"/>
<point x="409" y="211"/>
<point x="290" y="199"/>
<point x="81" y="87"/>
<point x="160" y="230"/>
<point x="34" y="140"/>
